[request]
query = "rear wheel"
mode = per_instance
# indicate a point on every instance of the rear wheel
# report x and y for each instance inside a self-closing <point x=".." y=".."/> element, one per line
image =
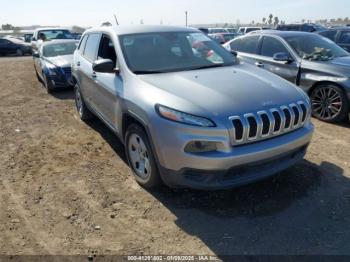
<point x="83" y="110"/>
<point x="329" y="103"/>
<point x="141" y="157"/>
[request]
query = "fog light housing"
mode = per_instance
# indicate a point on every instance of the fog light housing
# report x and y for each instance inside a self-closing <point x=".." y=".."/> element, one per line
<point x="201" y="147"/>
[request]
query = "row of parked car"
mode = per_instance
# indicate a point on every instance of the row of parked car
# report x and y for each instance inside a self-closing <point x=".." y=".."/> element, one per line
<point x="23" y="45"/>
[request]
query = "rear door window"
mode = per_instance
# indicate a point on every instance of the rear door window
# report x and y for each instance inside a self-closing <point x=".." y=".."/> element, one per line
<point x="344" y="37"/>
<point x="249" y="44"/>
<point x="329" y="34"/>
<point x="271" y="46"/>
<point x="91" y="47"/>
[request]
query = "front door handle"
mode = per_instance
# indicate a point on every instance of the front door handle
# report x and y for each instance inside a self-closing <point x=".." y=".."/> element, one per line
<point x="94" y="76"/>
<point x="259" y="64"/>
<point x="78" y="63"/>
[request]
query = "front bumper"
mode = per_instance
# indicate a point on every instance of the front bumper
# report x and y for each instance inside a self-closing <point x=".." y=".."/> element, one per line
<point x="234" y="166"/>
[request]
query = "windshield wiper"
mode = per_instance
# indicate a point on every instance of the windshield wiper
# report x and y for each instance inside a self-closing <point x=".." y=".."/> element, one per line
<point x="206" y="66"/>
<point x="145" y="72"/>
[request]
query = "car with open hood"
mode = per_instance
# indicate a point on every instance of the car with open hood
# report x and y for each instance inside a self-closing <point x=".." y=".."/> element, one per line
<point x="188" y="112"/>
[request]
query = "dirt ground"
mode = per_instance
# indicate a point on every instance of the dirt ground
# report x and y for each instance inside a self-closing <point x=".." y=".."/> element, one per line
<point x="65" y="188"/>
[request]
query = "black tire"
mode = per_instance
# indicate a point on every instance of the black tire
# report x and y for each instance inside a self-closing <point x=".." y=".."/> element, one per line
<point x="37" y="75"/>
<point x="46" y="83"/>
<point x="329" y="103"/>
<point x="152" y="178"/>
<point x="83" y="111"/>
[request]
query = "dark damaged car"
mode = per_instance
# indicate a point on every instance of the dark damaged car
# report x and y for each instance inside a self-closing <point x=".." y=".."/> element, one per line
<point x="52" y="64"/>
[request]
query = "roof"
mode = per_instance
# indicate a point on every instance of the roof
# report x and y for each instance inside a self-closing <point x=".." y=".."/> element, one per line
<point x="283" y="33"/>
<point x="50" y="28"/>
<point x="61" y="41"/>
<point x="123" y="30"/>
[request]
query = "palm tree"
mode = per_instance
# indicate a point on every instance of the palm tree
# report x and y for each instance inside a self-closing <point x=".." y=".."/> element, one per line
<point x="270" y="19"/>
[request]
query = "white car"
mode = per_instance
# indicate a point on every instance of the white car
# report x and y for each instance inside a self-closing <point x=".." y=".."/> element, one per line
<point x="47" y="34"/>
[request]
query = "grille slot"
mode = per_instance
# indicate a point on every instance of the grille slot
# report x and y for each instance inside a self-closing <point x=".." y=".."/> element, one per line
<point x="237" y="123"/>
<point x="278" y="121"/>
<point x="67" y="71"/>
<point x="288" y="118"/>
<point x="296" y="114"/>
<point x="255" y="126"/>
<point x="266" y="124"/>
<point x="304" y="112"/>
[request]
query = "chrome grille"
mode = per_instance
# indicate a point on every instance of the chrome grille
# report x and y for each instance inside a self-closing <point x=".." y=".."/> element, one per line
<point x="252" y="127"/>
<point x="67" y="71"/>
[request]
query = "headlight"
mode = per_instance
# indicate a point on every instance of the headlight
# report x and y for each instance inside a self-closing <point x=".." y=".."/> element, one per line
<point x="52" y="70"/>
<point x="181" y="117"/>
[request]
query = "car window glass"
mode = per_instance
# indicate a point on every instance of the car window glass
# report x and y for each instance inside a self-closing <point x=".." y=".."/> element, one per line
<point x="329" y="34"/>
<point x="82" y="44"/>
<point x="172" y="51"/>
<point x="235" y="45"/>
<point x="345" y="38"/>
<point x="91" y="47"/>
<point x="107" y="50"/>
<point x="271" y="46"/>
<point x="249" y="44"/>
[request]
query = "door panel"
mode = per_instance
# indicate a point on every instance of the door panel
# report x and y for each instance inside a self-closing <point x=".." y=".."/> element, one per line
<point x="288" y="71"/>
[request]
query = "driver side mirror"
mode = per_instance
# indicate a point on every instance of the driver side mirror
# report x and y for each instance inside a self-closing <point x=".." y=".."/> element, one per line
<point x="105" y="66"/>
<point x="36" y="54"/>
<point x="282" y="57"/>
<point x="33" y="38"/>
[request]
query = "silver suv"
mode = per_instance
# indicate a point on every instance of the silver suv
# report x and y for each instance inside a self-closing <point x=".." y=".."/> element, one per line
<point x="189" y="113"/>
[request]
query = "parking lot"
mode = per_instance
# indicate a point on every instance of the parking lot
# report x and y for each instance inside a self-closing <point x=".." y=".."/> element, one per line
<point x="65" y="188"/>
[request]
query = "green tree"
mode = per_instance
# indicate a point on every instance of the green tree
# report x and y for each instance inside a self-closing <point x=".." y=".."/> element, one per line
<point x="106" y="24"/>
<point x="276" y="21"/>
<point x="264" y="20"/>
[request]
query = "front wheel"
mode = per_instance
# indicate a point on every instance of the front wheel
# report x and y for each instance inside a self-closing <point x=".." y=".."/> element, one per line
<point x="141" y="157"/>
<point x="329" y="103"/>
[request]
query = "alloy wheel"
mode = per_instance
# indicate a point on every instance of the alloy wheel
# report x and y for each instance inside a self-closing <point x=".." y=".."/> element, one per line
<point x="326" y="102"/>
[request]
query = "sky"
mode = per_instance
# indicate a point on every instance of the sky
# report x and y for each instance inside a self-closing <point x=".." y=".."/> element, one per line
<point x="169" y="12"/>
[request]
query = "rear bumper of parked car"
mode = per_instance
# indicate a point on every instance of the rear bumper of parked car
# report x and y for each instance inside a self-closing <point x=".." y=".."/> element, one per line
<point x="234" y="167"/>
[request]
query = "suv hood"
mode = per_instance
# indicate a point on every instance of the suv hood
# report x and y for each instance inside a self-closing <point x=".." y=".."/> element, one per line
<point x="227" y="90"/>
<point x="61" y="61"/>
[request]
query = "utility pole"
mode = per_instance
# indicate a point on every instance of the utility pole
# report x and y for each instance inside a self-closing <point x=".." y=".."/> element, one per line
<point x="116" y="20"/>
<point x="186" y="14"/>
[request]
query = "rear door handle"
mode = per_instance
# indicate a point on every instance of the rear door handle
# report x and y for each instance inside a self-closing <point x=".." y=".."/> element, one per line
<point x="78" y="63"/>
<point x="259" y="64"/>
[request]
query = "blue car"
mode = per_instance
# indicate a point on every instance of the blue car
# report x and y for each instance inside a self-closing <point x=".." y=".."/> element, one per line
<point x="52" y="63"/>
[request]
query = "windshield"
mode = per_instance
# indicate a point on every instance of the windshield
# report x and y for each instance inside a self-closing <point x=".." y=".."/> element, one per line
<point x="55" y="34"/>
<point x="172" y="51"/>
<point x="315" y="47"/>
<point x="59" y="49"/>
